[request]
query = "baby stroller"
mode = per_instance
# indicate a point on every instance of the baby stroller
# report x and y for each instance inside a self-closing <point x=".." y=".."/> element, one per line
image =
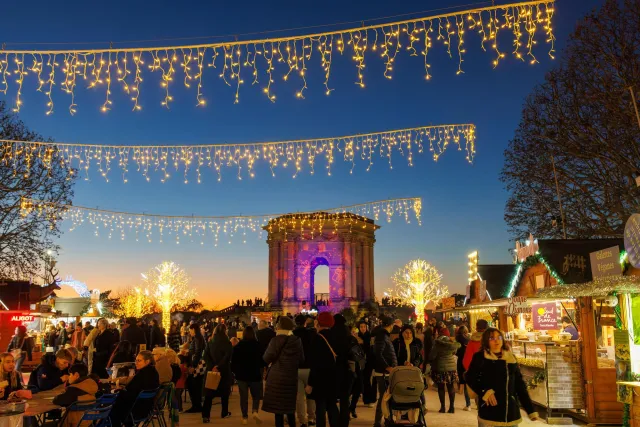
<point x="404" y="394"/>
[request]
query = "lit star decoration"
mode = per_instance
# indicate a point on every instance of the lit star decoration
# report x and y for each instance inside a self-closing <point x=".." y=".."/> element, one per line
<point x="200" y="228"/>
<point x="417" y="284"/>
<point x="294" y="155"/>
<point x="169" y="284"/>
<point x="263" y="61"/>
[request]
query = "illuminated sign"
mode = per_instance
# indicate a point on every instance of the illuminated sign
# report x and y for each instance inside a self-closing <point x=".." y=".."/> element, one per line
<point x="22" y="318"/>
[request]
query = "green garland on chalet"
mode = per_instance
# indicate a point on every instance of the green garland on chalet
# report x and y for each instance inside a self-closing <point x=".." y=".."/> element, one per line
<point x="531" y="261"/>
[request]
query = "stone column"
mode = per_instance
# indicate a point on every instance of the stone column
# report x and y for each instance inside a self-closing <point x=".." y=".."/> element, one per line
<point x="274" y="298"/>
<point x="366" y="270"/>
<point x="372" y="290"/>
<point x="346" y="267"/>
<point x="356" y="290"/>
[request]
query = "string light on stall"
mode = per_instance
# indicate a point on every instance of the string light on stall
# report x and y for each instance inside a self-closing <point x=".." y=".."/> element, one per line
<point x="285" y="58"/>
<point x="473" y="266"/>
<point x="530" y="262"/>
<point x="200" y="228"/>
<point x="294" y="155"/>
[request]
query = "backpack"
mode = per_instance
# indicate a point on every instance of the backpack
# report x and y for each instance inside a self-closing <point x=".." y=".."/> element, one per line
<point x="357" y="355"/>
<point x="406" y="384"/>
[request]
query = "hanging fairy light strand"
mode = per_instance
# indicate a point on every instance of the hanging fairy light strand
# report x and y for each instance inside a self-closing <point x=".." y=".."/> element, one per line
<point x="213" y="228"/>
<point x="262" y="61"/>
<point x="295" y="155"/>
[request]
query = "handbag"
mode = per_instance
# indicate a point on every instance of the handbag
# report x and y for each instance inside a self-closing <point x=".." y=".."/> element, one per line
<point x="17" y="352"/>
<point x="213" y="380"/>
<point x="277" y="357"/>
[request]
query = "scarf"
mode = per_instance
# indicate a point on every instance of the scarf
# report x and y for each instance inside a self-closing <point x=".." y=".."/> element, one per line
<point x="408" y="345"/>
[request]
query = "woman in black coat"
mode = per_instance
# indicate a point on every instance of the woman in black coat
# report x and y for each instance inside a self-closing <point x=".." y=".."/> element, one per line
<point x="246" y="365"/>
<point x="217" y="355"/>
<point x="146" y="378"/>
<point x="408" y="348"/>
<point x="369" y="388"/>
<point x="103" y="345"/>
<point x="495" y="377"/>
<point x="194" y="381"/>
<point x="462" y="336"/>
<point x="284" y="354"/>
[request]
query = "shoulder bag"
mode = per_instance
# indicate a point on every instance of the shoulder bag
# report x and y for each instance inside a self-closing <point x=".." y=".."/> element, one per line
<point x="277" y="357"/>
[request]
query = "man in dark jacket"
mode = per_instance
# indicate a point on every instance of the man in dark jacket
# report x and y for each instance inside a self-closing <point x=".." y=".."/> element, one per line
<point x="157" y="338"/>
<point x="345" y="377"/>
<point x="323" y="386"/>
<point x="52" y="371"/>
<point x="264" y="335"/>
<point x="133" y="334"/>
<point x="306" y="408"/>
<point x="385" y="361"/>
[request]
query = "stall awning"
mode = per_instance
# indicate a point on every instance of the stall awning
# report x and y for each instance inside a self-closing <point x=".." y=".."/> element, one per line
<point x="600" y="287"/>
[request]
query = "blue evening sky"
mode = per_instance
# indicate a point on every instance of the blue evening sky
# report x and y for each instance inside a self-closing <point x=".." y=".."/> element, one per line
<point x="463" y="204"/>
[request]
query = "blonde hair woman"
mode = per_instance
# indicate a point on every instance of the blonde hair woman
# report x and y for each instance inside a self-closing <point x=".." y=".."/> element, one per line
<point x="9" y="375"/>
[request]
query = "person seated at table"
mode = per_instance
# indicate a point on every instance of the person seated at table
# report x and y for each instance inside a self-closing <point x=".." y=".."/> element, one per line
<point x="52" y="371"/>
<point x="146" y="378"/>
<point x="81" y="388"/>
<point x="11" y="379"/>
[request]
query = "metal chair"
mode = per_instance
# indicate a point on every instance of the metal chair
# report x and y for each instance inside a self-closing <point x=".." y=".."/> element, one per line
<point x="146" y="397"/>
<point x="161" y="401"/>
<point x="107" y="399"/>
<point x="99" y="416"/>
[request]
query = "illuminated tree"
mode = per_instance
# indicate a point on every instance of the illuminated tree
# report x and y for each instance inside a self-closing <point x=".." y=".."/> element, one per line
<point x="134" y="302"/>
<point x="417" y="284"/>
<point x="169" y="284"/>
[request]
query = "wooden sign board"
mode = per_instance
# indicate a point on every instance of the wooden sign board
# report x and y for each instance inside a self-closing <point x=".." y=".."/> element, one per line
<point x="605" y="262"/>
<point x="448" y="303"/>
<point x="517" y="305"/>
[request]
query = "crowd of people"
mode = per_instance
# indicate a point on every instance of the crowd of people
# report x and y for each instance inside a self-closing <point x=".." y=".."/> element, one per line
<point x="313" y="369"/>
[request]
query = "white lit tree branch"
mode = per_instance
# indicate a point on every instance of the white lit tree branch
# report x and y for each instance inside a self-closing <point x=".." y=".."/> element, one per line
<point x="417" y="284"/>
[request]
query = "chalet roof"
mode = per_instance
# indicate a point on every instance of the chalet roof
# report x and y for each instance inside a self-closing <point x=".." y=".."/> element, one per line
<point x="498" y="278"/>
<point x="570" y="258"/>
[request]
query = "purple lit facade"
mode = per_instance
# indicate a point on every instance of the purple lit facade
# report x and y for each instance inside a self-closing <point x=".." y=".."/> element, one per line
<point x="296" y="251"/>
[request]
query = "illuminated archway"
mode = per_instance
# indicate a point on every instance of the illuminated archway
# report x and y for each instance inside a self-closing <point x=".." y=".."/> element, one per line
<point x="295" y="251"/>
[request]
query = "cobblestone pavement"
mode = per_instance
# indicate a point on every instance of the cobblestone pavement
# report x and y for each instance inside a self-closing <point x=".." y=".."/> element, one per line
<point x="365" y="415"/>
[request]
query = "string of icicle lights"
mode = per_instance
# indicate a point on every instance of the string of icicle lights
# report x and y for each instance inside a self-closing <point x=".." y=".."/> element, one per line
<point x="211" y="228"/>
<point x="295" y="155"/>
<point x="262" y="62"/>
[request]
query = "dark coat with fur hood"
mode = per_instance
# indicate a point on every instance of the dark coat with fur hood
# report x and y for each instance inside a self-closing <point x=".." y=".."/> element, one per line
<point x="501" y="377"/>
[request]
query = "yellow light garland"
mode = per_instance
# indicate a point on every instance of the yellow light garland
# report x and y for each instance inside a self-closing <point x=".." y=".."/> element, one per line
<point x="272" y="57"/>
<point x="192" y="228"/>
<point x="295" y="154"/>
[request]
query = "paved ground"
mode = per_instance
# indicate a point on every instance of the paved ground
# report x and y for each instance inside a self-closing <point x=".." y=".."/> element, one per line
<point x="365" y="415"/>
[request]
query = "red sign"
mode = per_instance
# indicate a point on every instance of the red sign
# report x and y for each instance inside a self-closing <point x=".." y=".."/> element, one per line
<point x="22" y="318"/>
<point x="545" y="316"/>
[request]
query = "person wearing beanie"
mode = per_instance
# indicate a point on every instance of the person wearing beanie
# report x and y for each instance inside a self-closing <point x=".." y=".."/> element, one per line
<point x="323" y="385"/>
<point x="385" y="361"/>
<point x="283" y="356"/>
<point x="305" y="408"/>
